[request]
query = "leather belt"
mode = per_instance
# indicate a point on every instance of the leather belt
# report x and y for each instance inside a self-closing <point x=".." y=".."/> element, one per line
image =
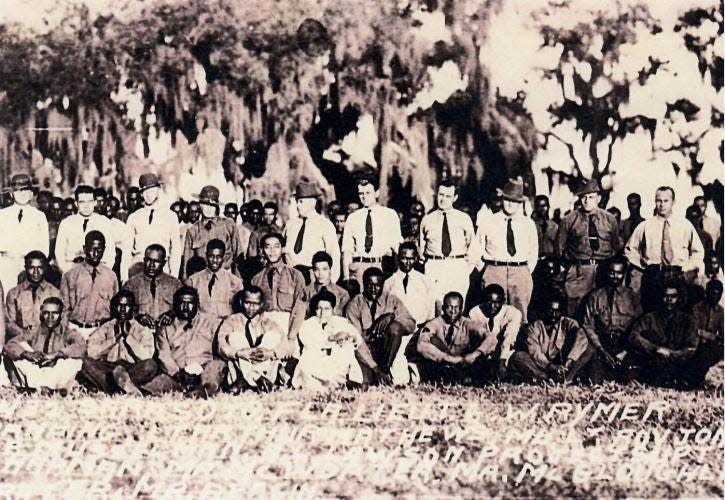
<point x="502" y="263"/>
<point x="367" y="260"/>
<point x="87" y="325"/>
<point x="440" y="257"/>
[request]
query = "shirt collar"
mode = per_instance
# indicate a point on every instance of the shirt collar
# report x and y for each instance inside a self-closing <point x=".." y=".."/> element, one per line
<point x="89" y="267"/>
<point x="41" y="286"/>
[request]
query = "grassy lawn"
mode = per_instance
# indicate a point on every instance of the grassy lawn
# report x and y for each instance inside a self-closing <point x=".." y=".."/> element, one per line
<point x="500" y="441"/>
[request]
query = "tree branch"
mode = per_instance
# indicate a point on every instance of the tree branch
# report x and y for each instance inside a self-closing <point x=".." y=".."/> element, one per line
<point x="570" y="148"/>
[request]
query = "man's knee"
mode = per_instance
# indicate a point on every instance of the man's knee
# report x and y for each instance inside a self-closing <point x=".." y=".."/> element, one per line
<point x="396" y="329"/>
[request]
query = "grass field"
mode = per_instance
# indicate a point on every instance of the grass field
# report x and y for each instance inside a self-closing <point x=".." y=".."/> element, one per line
<point x="500" y="441"/>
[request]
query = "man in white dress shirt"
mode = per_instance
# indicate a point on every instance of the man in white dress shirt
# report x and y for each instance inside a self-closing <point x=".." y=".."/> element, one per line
<point x="24" y="228"/>
<point x="508" y="247"/>
<point x="154" y="224"/>
<point x="445" y="235"/>
<point x="414" y="289"/>
<point x="310" y="233"/>
<point x="663" y="247"/>
<point x="73" y="229"/>
<point x="371" y="232"/>
<point x="503" y="321"/>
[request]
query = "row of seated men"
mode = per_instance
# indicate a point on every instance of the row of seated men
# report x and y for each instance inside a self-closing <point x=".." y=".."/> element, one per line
<point x="159" y="335"/>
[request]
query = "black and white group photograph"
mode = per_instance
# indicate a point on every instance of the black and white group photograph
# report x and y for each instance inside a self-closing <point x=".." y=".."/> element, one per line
<point x="349" y="249"/>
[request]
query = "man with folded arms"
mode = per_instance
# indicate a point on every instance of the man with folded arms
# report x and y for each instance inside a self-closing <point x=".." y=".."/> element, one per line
<point x="153" y="289"/>
<point x="371" y="232"/>
<point x="23" y="302"/>
<point x="445" y="235"/>
<point x="383" y="321"/>
<point x="49" y="356"/>
<point x="151" y="224"/>
<point x="88" y="287"/>
<point x="310" y="233"/>
<point x="556" y="347"/>
<point x="608" y="313"/>
<point x="661" y="248"/>
<point x="185" y="350"/>
<point x="503" y="322"/>
<point x="508" y="248"/>
<point x="216" y="285"/>
<point x="248" y="341"/>
<point x="587" y="236"/>
<point x="120" y="352"/>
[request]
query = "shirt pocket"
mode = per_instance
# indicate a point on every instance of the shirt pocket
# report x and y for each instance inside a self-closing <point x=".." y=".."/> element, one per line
<point x="285" y="296"/>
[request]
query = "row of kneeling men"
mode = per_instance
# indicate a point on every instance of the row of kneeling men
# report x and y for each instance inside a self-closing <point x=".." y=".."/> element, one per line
<point x="375" y="341"/>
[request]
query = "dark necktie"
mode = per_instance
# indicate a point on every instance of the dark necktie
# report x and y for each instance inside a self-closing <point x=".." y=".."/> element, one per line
<point x="34" y="291"/>
<point x="270" y="278"/>
<point x="153" y="287"/>
<point x="46" y="344"/>
<point x="94" y="273"/>
<point x="207" y="225"/>
<point x="373" y="309"/>
<point x="188" y="326"/>
<point x="510" y="243"/>
<point x="20" y="216"/>
<point x="449" y="335"/>
<point x="544" y="223"/>
<point x="405" y="283"/>
<point x="248" y="334"/>
<point x="445" y="237"/>
<point x="593" y="234"/>
<point x="85" y="225"/>
<point x="212" y="281"/>
<point x="300" y="236"/>
<point x="369" y="232"/>
<point x="151" y="216"/>
<point x="490" y="324"/>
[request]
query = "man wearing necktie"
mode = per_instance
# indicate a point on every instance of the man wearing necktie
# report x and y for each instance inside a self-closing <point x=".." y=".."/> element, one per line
<point x="414" y="289"/>
<point x="24" y="301"/>
<point x="662" y="247"/>
<point x="445" y="236"/>
<point x="452" y="348"/>
<point x="69" y="245"/>
<point x="216" y="285"/>
<point x="153" y="289"/>
<point x="283" y="288"/>
<point x="151" y="224"/>
<point x="384" y="322"/>
<point x="24" y="229"/>
<point x="545" y="227"/>
<point x="88" y="287"/>
<point x="120" y="352"/>
<point x="211" y="226"/>
<point x="248" y="340"/>
<point x="50" y="355"/>
<point x="508" y="248"/>
<point x="587" y="236"/>
<point x="310" y="233"/>
<point x="371" y="232"/>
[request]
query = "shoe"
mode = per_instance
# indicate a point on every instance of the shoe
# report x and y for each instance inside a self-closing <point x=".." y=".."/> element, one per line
<point x="123" y="380"/>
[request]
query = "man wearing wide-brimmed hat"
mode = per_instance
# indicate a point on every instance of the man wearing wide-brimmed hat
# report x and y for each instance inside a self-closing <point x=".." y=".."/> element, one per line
<point x="210" y="226"/>
<point x="154" y="224"/>
<point x="587" y="236"/>
<point x="506" y="248"/>
<point x="23" y="227"/>
<point x="310" y="233"/>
